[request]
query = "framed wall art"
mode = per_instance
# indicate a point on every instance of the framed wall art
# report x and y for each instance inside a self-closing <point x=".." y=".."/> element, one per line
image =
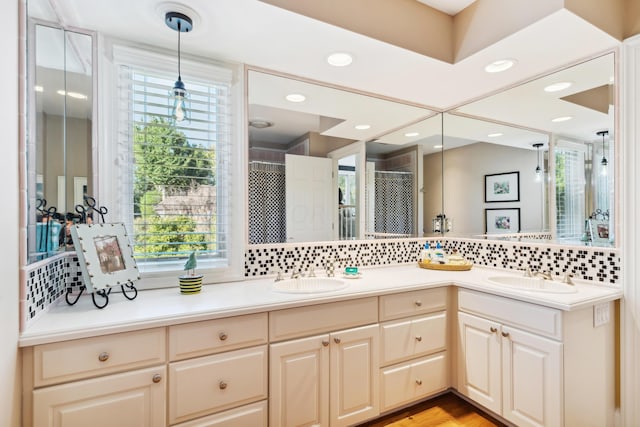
<point x="502" y="220"/>
<point x="502" y="187"/>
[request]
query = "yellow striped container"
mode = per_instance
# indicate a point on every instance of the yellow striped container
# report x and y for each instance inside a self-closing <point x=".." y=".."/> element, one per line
<point x="190" y="284"/>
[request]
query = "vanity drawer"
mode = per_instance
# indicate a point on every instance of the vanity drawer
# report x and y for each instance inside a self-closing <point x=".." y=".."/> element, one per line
<point x="214" y="336"/>
<point x="210" y="384"/>
<point x="89" y="357"/>
<point x="322" y="318"/>
<point x="412" y="303"/>
<point x="254" y="415"/>
<point x="405" y="339"/>
<point x="407" y="382"/>
<point x="527" y="316"/>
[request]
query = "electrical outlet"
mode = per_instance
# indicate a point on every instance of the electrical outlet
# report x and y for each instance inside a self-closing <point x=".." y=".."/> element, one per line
<point x="601" y="314"/>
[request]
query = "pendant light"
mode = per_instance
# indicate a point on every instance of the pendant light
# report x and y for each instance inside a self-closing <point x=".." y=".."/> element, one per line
<point x="537" y="145"/>
<point x="604" y="163"/>
<point x="182" y="24"/>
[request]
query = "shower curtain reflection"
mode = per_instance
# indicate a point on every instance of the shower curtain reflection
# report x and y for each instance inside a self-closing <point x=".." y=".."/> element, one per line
<point x="394" y="204"/>
<point x="267" y="220"/>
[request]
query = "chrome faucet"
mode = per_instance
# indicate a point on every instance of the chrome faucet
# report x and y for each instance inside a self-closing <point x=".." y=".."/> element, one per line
<point x="279" y="277"/>
<point x="295" y="273"/>
<point x="567" y="279"/>
<point x="544" y="274"/>
<point x="528" y="272"/>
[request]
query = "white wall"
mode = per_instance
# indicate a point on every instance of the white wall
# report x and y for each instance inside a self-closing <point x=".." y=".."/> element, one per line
<point x="9" y="217"/>
<point x="464" y="171"/>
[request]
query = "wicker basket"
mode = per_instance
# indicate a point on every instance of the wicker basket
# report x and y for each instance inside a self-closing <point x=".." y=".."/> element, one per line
<point x="445" y="267"/>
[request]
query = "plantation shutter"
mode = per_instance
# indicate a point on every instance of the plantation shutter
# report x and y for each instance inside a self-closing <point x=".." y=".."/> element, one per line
<point x="570" y="193"/>
<point x="177" y="188"/>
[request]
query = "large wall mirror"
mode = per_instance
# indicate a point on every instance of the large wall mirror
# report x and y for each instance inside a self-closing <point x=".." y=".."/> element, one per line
<point x="60" y="128"/>
<point x="557" y="134"/>
<point x="330" y="164"/>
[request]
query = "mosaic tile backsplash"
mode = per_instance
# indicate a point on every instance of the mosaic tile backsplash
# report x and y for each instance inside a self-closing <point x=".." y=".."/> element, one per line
<point x="47" y="280"/>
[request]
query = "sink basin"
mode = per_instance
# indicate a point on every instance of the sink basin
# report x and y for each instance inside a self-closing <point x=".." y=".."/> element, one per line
<point x="309" y="285"/>
<point x="533" y="284"/>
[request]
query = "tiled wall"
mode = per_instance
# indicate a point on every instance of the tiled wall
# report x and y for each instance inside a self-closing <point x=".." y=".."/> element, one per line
<point x="47" y="280"/>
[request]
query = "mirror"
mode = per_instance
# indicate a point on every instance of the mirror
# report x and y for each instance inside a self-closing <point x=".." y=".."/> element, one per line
<point x="571" y="113"/>
<point x="291" y="118"/>
<point x="60" y="117"/>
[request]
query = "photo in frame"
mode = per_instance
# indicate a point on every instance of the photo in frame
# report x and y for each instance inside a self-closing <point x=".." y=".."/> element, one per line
<point x="599" y="231"/>
<point x="502" y="220"/>
<point x="502" y="187"/>
<point x="105" y="255"/>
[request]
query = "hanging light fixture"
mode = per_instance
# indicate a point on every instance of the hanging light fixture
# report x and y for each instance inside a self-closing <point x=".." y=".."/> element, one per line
<point x="182" y="24"/>
<point x="537" y="145"/>
<point x="604" y="163"/>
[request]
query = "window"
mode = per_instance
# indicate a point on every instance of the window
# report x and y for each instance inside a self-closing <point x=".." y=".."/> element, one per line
<point x="570" y="192"/>
<point x="174" y="179"/>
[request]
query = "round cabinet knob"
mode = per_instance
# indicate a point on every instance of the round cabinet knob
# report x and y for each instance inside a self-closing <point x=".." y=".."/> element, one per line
<point x="157" y="378"/>
<point x="103" y="357"/>
<point x="222" y="385"/>
<point x="418" y="303"/>
<point x="325" y="343"/>
<point x="505" y="334"/>
<point x="493" y="329"/>
<point x="336" y="340"/>
<point x="418" y="338"/>
<point x="222" y="336"/>
<point x="419" y="382"/>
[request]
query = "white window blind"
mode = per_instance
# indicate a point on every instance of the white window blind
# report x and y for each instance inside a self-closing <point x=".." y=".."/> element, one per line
<point x="177" y="190"/>
<point x="570" y="196"/>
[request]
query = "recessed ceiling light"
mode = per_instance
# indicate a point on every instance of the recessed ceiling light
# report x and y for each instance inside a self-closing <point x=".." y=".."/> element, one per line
<point x="260" y="123"/>
<point x="495" y="135"/>
<point x="38" y="88"/>
<point x="340" y="59"/>
<point x="411" y="134"/>
<point x="77" y="95"/>
<point x="296" y="97"/>
<point x="500" y="65"/>
<point x="362" y="127"/>
<point x="561" y="119"/>
<point x="437" y="147"/>
<point x="556" y="87"/>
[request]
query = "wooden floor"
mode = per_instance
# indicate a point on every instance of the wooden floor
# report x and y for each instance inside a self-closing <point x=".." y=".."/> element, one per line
<point x="447" y="410"/>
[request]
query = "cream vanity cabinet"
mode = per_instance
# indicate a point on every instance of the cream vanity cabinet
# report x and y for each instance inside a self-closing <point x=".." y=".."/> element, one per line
<point x="534" y="365"/>
<point x="102" y="381"/>
<point x="324" y="362"/>
<point x="217" y="365"/>
<point x="414" y="361"/>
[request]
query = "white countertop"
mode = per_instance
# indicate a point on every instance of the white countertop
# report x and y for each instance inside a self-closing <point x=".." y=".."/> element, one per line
<point x="162" y="307"/>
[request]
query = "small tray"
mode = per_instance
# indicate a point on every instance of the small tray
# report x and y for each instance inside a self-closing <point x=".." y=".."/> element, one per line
<point x="446" y="267"/>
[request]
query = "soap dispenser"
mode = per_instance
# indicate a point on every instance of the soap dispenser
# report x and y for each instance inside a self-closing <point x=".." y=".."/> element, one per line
<point x="425" y="254"/>
<point x="438" y="254"/>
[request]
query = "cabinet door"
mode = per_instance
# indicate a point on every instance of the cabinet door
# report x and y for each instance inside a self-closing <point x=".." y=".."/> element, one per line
<point x="532" y="379"/>
<point x="354" y="375"/>
<point x="299" y="382"/>
<point x="479" y="363"/>
<point x="132" y="399"/>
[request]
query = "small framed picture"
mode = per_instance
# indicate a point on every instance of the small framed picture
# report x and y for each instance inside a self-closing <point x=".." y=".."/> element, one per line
<point x="499" y="221"/>
<point x="599" y="231"/>
<point x="502" y="187"/>
<point x="105" y="255"/>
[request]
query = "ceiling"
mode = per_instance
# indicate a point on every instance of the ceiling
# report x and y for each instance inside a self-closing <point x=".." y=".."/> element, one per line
<point x="256" y="33"/>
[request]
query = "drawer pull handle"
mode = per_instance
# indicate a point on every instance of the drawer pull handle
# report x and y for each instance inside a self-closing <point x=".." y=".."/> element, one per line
<point x="157" y="378"/>
<point x="222" y="385"/>
<point x="222" y="336"/>
<point x="325" y="343"/>
<point x="418" y="303"/>
<point x="505" y="334"/>
<point x="419" y="382"/>
<point x="103" y="357"/>
<point x="336" y="340"/>
<point x="418" y="338"/>
<point x="493" y="329"/>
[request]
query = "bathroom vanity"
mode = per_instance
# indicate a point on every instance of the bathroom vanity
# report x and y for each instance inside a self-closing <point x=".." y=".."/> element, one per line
<point x="245" y="353"/>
